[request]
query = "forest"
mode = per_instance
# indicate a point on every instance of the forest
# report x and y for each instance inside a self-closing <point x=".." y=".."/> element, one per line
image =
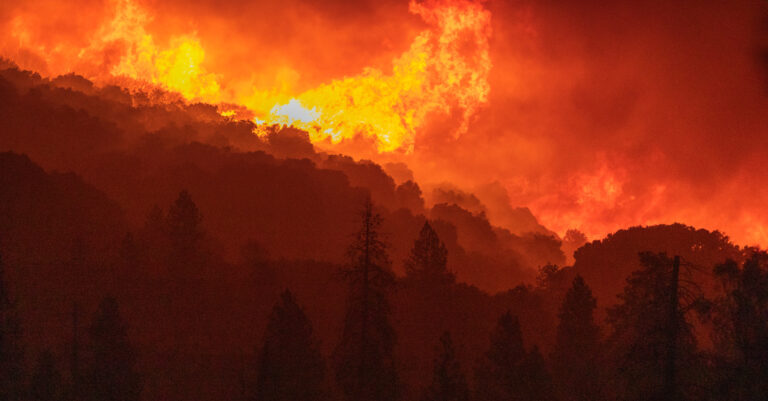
<point x="153" y="249"/>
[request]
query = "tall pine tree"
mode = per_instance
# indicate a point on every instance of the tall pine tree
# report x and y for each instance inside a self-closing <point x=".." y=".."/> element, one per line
<point x="11" y="353"/>
<point x="508" y="373"/>
<point x="448" y="382"/>
<point x="741" y="329"/>
<point x="365" y="365"/>
<point x="536" y="380"/>
<point x="428" y="259"/>
<point x="499" y="376"/>
<point x="111" y="373"/>
<point x="290" y="366"/>
<point x="575" y="357"/>
<point x="185" y="233"/>
<point x="652" y="339"/>
<point x="428" y="292"/>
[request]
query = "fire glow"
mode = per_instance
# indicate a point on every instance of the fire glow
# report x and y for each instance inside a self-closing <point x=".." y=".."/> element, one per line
<point x="445" y="69"/>
<point x="569" y="84"/>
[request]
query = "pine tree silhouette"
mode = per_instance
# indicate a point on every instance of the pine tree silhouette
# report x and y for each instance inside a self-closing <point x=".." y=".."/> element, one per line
<point x="184" y="231"/>
<point x="536" y="380"/>
<point x="45" y="384"/>
<point x="11" y="352"/>
<point x="741" y="329"/>
<point x="499" y="376"/>
<point x="111" y="373"/>
<point x="640" y="341"/>
<point x="575" y="357"/>
<point x="428" y="259"/>
<point x="448" y="382"/>
<point x="428" y="290"/>
<point x="364" y="358"/>
<point x="290" y="367"/>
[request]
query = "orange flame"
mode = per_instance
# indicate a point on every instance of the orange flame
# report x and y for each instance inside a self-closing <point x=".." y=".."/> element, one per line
<point x="177" y="68"/>
<point x="446" y="67"/>
<point x="445" y="70"/>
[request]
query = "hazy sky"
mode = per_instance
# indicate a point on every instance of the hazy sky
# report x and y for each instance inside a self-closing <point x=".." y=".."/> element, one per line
<point x="599" y="115"/>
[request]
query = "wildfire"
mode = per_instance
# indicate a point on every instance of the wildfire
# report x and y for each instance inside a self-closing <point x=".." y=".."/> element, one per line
<point x="445" y="70"/>
<point x="177" y="68"/>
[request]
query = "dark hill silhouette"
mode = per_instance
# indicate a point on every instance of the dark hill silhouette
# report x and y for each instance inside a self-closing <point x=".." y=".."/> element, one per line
<point x="57" y="234"/>
<point x="141" y="148"/>
<point x="605" y="263"/>
<point x="196" y="225"/>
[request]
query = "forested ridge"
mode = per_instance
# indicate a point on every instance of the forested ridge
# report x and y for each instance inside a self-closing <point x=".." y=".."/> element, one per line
<point x="153" y="249"/>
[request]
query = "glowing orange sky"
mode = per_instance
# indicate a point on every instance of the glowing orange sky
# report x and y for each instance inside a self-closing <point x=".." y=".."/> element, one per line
<point x="595" y="116"/>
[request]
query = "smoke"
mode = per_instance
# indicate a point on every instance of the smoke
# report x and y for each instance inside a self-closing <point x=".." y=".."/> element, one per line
<point x="605" y="116"/>
<point x="596" y="116"/>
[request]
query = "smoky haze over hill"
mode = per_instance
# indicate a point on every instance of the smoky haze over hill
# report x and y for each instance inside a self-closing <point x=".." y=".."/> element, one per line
<point x="147" y="239"/>
<point x="594" y="116"/>
<point x="141" y="150"/>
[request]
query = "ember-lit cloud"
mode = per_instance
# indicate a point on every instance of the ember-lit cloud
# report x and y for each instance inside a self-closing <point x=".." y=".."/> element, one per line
<point x="596" y="117"/>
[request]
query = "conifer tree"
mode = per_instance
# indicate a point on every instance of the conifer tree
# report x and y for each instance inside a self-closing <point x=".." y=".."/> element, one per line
<point x="45" y="384"/>
<point x="11" y="353"/>
<point x="290" y="366"/>
<point x="499" y="376"/>
<point x="429" y="293"/>
<point x="364" y="358"/>
<point x="448" y="382"/>
<point x="574" y="360"/>
<point x="741" y="329"/>
<point x="649" y="311"/>
<point x="111" y="373"/>
<point x="535" y="378"/>
<point x="428" y="259"/>
<point x="184" y="229"/>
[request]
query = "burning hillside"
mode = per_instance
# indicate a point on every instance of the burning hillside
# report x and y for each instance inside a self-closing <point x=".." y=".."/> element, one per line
<point x="567" y="115"/>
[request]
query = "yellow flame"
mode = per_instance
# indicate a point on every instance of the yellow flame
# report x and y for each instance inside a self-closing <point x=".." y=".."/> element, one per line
<point x="294" y="113"/>
<point x="446" y="67"/>
<point x="444" y="71"/>
<point x="177" y="68"/>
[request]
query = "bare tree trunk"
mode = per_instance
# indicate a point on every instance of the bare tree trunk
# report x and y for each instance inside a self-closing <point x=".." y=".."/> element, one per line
<point x="670" y="370"/>
<point x="365" y="290"/>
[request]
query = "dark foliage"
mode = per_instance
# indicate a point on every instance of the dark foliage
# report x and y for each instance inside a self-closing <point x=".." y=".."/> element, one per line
<point x="111" y="371"/>
<point x="428" y="261"/>
<point x="290" y="367"/>
<point x="498" y="377"/>
<point x="11" y="352"/>
<point x="126" y="218"/>
<point x="575" y="360"/>
<point x="365" y="365"/>
<point x="448" y="381"/>
<point x="651" y="334"/>
<point x="741" y="329"/>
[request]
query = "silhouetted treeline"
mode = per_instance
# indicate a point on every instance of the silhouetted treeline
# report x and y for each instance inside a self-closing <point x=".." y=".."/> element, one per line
<point x="648" y="348"/>
<point x="140" y="149"/>
<point x="180" y="257"/>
